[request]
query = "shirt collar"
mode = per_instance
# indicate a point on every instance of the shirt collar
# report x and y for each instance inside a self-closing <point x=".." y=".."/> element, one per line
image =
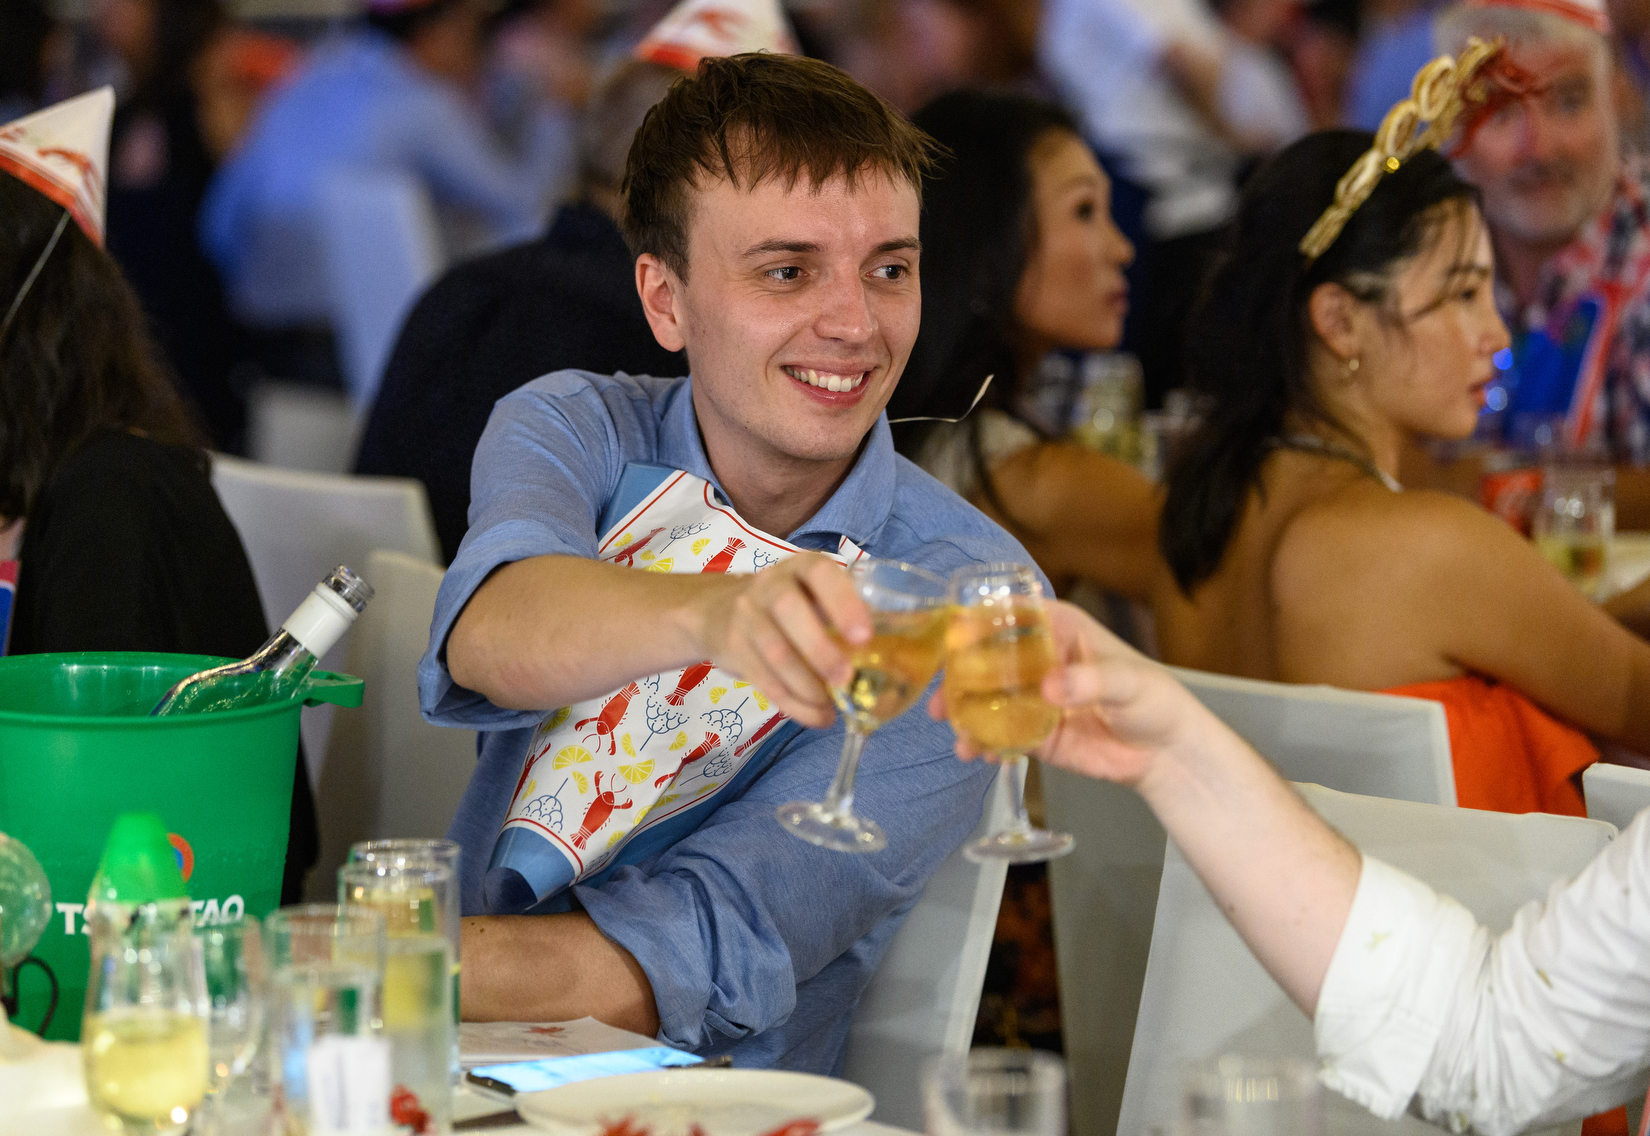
<point x="857" y="510"/>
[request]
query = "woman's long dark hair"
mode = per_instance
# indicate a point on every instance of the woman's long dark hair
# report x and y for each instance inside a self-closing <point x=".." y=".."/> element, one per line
<point x="1250" y="329"/>
<point x="978" y="232"/>
<point x="76" y="359"/>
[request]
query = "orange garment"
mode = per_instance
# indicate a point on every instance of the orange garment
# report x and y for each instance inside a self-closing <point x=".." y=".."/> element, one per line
<point x="1510" y="756"/>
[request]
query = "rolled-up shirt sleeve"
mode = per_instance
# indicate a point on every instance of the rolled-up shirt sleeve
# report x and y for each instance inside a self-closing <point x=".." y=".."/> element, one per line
<point x="550" y="457"/>
<point x="1423" y="1009"/>
<point x="723" y="923"/>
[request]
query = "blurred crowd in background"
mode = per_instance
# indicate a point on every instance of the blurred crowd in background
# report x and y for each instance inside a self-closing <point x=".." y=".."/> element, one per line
<point x="229" y="116"/>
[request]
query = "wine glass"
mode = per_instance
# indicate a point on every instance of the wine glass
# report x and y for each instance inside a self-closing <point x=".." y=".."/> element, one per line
<point x="233" y="957"/>
<point x="1253" y="1096"/>
<point x="998" y="648"/>
<point x="144" y="1034"/>
<point x="995" y="1092"/>
<point x="890" y="672"/>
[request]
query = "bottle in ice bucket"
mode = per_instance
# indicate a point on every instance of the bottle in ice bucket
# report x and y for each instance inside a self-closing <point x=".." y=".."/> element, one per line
<point x="280" y="666"/>
<point x="143" y="1037"/>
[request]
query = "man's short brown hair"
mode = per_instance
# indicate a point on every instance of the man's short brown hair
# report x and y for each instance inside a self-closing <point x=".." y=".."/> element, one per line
<point x="750" y="117"/>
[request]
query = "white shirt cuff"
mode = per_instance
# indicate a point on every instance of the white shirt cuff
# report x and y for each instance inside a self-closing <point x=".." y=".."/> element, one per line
<point x="1398" y="969"/>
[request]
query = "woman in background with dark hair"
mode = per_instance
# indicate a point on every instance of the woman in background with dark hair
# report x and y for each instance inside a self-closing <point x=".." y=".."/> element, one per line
<point x="1291" y="553"/>
<point x="1020" y="257"/>
<point x="103" y="479"/>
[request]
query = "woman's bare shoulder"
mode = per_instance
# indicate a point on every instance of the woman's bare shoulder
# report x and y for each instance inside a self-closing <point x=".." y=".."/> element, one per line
<point x="1365" y="529"/>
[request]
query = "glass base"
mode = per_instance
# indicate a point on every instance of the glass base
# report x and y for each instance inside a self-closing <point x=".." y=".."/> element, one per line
<point x="839" y="831"/>
<point x="1020" y="846"/>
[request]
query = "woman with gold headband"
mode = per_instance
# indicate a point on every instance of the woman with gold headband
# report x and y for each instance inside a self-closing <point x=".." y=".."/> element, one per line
<point x="1352" y="313"/>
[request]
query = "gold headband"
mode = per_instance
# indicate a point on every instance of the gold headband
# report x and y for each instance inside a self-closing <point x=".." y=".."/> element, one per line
<point x="1441" y="91"/>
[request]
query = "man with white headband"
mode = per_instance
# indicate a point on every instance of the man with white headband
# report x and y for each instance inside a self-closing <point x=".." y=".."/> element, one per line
<point x="1570" y="221"/>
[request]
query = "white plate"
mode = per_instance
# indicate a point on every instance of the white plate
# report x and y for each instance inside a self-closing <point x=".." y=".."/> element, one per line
<point x="724" y="1102"/>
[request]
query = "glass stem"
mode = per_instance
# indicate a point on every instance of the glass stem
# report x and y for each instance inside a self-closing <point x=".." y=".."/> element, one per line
<point x="1016" y="765"/>
<point x="840" y="800"/>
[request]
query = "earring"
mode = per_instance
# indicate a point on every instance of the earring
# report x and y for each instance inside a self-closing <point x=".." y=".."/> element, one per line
<point x="1353" y="364"/>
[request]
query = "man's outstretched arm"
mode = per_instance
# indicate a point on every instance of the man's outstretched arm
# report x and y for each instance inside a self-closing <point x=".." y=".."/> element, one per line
<point x="553" y="630"/>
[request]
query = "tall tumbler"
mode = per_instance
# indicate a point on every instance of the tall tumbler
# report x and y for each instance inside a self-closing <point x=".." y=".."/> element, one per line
<point x="418" y="988"/>
<point x="329" y="1058"/>
<point x="409" y="850"/>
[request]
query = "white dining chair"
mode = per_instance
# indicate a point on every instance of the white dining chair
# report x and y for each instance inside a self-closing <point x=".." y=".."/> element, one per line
<point x="925" y="995"/>
<point x="1105" y="893"/>
<point x="1379" y="745"/>
<point x="388" y="772"/>
<point x="297" y="526"/>
<point x="382" y="248"/>
<point x="1205" y="995"/>
<point x="301" y="426"/>
<point x="1615" y="793"/>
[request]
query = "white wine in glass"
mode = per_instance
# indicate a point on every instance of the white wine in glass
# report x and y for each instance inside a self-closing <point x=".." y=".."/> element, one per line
<point x="143" y="1039"/>
<point x="890" y="672"/>
<point x="998" y="648"/>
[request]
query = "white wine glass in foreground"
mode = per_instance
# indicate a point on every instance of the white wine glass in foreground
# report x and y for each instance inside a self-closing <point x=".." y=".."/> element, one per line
<point x="1003" y="1092"/>
<point x="890" y="672"/>
<point x="1252" y="1096"/>
<point x="143" y="1038"/>
<point x="997" y="650"/>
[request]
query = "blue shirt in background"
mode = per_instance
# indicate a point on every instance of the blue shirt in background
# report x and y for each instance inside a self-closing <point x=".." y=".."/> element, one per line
<point x="756" y="944"/>
<point x="362" y="103"/>
<point x="1383" y="70"/>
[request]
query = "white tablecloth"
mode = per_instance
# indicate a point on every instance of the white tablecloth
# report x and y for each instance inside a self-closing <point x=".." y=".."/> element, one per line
<point x="43" y="1093"/>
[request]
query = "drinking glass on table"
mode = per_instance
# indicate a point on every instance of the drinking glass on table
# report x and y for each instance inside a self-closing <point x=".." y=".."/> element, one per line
<point x="417" y="1005"/>
<point x="232" y="958"/>
<point x="1253" y="1096"/>
<point x="890" y="672"/>
<point x="403" y="851"/>
<point x="997" y="650"/>
<point x="1576" y="521"/>
<point x="1000" y="1092"/>
<point x="143" y="1037"/>
<point x="327" y="1053"/>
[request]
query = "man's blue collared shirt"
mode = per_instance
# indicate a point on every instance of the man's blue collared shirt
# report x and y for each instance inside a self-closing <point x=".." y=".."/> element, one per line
<point x="755" y="943"/>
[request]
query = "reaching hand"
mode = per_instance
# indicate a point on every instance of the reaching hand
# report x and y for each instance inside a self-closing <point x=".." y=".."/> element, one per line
<point x="1122" y="711"/>
<point x="773" y="630"/>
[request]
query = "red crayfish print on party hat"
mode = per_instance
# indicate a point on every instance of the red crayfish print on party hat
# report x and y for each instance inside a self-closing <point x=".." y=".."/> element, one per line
<point x="600" y="772"/>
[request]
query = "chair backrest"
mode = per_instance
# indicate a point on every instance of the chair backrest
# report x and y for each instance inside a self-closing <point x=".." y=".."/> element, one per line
<point x="382" y="248"/>
<point x="1205" y="994"/>
<point x="388" y="772"/>
<point x="1379" y="745"/>
<point x="1615" y="793"/>
<point x="926" y="993"/>
<point x="297" y="526"/>
<point x="300" y="426"/>
<point x="1104" y="896"/>
<point x="1105" y="893"/>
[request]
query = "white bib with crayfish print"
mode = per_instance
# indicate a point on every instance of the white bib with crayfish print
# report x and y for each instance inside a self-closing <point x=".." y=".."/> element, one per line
<point x="606" y="770"/>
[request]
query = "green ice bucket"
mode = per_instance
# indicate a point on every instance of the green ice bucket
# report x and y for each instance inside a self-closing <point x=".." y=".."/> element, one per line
<point x="77" y="747"/>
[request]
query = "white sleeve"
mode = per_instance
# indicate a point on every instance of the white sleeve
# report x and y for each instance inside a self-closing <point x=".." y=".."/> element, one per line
<point x="1404" y="961"/>
<point x="1547" y="1023"/>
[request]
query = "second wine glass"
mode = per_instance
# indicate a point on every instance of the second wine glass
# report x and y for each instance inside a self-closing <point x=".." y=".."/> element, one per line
<point x="998" y="649"/>
<point x="890" y="672"/>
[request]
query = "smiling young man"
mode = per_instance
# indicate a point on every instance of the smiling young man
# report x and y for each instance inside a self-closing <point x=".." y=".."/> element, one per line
<point x="641" y="616"/>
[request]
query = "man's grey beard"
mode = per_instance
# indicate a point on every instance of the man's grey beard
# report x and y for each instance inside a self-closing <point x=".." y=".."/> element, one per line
<point x="1520" y="219"/>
